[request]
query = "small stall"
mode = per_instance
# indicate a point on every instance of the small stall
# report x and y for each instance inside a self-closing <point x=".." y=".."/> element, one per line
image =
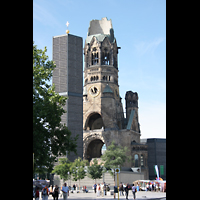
<point x="150" y="185"/>
<point x="162" y="184"/>
<point x="142" y="185"/>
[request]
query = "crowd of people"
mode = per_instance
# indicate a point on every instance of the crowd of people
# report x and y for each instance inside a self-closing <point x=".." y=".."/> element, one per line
<point x="54" y="191"/>
<point x="99" y="189"/>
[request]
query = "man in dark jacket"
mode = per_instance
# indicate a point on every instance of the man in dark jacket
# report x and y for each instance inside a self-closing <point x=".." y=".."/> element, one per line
<point x="126" y="190"/>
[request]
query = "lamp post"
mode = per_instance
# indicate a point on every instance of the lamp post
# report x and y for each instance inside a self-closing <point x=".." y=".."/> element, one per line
<point x="68" y="178"/>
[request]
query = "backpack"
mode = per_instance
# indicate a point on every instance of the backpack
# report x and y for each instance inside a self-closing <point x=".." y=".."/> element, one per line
<point x="45" y="191"/>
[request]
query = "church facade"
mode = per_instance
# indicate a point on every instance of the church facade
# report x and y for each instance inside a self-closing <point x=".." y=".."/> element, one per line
<point x="94" y="107"/>
<point x="103" y="115"/>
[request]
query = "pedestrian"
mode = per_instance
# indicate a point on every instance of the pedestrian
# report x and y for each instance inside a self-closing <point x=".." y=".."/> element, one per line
<point x="98" y="190"/>
<point x="155" y="186"/>
<point x="126" y="190"/>
<point x="152" y="186"/>
<point x="86" y="189"/>
<point x="65" y="191"/>
<point x="74" y="186"/>
<point x="121" y="189"/>
<point x="51" y="189"/>
<point x="134" y="190"/>
<point x="55" y="193"/>
<point x="36" y="193"/>
<point x="104" y="189"/>
<point x="102" y="186"/>
<point x="45" y="193"/>
<point x="95" y="188"/>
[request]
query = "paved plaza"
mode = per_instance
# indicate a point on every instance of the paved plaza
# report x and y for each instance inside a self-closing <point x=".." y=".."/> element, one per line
<point x="139" y="196"/>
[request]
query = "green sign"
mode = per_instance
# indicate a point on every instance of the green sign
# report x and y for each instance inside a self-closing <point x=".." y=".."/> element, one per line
<point x="161" y="169"/>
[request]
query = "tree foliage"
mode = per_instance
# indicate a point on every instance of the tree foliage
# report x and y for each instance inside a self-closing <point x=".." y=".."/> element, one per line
<point x="78" y="169"/>
<point x="95" y="170"/>
<point x="114" y="156"/>
<point x="63" y="168"/>
<point x="50" y="138"/>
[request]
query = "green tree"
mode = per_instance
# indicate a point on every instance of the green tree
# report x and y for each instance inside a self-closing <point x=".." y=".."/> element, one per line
<point x="63" y="168"/>
<point x="50" y="138"/>
<point x="95" y="170"/>
<point x="114" y="157"/>
<point x="78" y="169"/>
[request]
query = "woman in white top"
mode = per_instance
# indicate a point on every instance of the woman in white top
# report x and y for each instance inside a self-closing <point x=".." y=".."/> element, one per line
<point x="98" y="190"/>
<point x="134" y="191"/>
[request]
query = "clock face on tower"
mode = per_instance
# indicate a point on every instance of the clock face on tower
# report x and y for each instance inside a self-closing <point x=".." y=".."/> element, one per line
<point x="94" y="91"/>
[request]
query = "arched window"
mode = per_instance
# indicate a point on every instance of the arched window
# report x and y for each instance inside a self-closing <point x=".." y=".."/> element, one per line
<point x="95" y="58"/>
<point x="94" y="78"/>
<point x="105" y="58"/>
<point x="136" y="159"/>
<point x="105" y="78"/>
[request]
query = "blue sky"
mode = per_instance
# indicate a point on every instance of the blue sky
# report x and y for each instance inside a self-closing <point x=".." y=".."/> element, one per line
<point x="140" y="31"/>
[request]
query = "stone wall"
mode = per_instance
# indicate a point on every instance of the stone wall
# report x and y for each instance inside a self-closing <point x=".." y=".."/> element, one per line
<point x="124" y="177"/>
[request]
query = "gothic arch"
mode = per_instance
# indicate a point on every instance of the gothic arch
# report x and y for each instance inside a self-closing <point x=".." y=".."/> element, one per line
<point x="93" y="121"/>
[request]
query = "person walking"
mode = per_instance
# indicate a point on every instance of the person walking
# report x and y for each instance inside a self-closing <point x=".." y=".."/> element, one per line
<point x="56" y="191"/>
<point x="121" y="189"/>
<point x="65" y="191"/>
<point x="74" y="186"/>
<point x="95" y="188"/>
<point x="45" y="193"/>
<point x="36" y="193"/>
<point x="126" y="190"/>
<point x="134" y="190"/>
<point x="98" y="190"/>
<point x="102" y="186"/>
<point x="51" y="190"/>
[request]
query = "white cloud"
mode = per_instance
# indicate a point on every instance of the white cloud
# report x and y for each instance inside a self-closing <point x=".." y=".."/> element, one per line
<point x="45" y="17"/>
<point x="148" y="47"/>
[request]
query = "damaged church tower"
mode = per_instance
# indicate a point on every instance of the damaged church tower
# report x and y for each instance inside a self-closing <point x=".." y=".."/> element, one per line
<point x="103" y="115"/>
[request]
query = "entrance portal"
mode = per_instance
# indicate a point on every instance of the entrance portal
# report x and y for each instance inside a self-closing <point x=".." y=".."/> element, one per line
<point x="94" y="149"/>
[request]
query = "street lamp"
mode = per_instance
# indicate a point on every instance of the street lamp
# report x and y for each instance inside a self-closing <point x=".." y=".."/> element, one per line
<point x="68" y="178"/>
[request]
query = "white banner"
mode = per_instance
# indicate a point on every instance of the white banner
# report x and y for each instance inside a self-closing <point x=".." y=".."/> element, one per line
<point x="157" y="172"/>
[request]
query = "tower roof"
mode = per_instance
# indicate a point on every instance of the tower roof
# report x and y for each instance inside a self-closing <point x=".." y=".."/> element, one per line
<point x="102" y="26"/>
<point x="100" y="38"/>
<point x="131" y="95"/>
<point x="130" y="119"/>
<point x="107" y="89"/>
<point x="100" y="29"/>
